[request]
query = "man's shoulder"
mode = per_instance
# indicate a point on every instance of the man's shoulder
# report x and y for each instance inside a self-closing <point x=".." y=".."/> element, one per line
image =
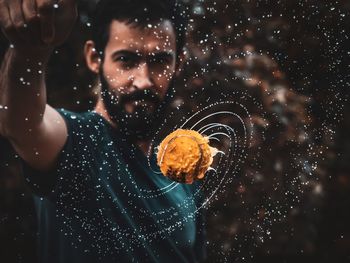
<point x="87" y="128"/>
<point x="82" y="120"/>
<point x="73" y="115"/>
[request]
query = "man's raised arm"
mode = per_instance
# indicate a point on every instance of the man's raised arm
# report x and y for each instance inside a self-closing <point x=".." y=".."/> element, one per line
<point x="34" y="28"/>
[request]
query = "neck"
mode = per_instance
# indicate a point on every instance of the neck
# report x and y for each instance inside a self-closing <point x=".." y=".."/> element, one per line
<point x="101" y="109"/>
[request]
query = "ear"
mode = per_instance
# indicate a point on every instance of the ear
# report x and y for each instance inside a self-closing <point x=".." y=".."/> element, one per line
<point x="180" y="62"/>
<point x="92" y="58"/>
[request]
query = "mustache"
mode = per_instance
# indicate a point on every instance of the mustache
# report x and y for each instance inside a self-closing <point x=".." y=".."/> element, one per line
<point x="145" y="95"/>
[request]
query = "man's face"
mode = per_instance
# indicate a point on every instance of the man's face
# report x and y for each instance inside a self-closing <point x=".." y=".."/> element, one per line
<point x="138" y="66"/>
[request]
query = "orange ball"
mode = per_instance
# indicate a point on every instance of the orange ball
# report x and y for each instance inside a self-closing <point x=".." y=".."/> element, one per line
<point x="185" y="155"/>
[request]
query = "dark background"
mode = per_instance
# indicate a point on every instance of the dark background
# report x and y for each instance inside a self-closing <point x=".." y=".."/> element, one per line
<point x="292" y="202"/>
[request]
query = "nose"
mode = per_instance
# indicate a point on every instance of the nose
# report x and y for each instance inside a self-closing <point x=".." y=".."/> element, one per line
<point x="143" y="78"/>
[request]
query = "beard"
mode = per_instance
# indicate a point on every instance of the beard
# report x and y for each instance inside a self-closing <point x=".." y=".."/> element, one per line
<point x="137" y="114"/>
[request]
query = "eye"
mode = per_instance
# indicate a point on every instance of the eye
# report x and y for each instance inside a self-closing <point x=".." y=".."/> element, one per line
<point x="160" y="60"/>
<point x="124" y="58"/>
<point x="126" y="61"/>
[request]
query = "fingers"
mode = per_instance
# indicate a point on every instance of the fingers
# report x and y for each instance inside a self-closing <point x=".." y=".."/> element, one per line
<point x="45" y="10"/>
<point x="32" y="21"/>
<point x="37" y="22"/>
<point x="4" y="15"/>
<point x="15" y="8"/>
<point x="11" y="21"/>
<point x="5" y="20"/>
<point x="29" y="10"/>
<point x="18" y="18"/>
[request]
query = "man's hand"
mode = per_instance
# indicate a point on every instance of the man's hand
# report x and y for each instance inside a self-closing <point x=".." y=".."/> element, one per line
<point x="37" y="25"/>
<point x="34" y="27"/>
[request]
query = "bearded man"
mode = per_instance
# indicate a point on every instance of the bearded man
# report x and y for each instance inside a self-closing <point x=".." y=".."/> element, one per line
<point x="96" y="197"/>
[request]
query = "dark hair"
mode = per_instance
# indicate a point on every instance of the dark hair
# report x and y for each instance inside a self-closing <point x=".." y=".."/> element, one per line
<point x="140" y="13"/>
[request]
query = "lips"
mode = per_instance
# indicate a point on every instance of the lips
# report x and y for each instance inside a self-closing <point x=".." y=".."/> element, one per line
<point x="140" y="102"/>
<point x="139" y="105"/>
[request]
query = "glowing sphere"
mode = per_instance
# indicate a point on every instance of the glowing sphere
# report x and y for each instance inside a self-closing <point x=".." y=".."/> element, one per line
<point x="185" y="155"/>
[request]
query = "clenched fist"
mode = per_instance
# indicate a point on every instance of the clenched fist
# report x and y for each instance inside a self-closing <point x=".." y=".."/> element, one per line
<point x="37" y="24"/>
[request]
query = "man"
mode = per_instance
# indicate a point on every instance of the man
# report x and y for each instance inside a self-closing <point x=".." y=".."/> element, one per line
<point x="97" y="199"/>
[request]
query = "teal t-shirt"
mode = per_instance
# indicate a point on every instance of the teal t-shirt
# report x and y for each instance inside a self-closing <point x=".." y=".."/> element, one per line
<point x="104" y="202"/>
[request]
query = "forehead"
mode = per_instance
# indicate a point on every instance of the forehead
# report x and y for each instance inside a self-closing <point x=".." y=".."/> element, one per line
<point x="156" y="36"/>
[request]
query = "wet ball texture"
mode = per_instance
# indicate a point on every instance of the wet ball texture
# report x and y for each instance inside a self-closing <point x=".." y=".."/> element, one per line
<point x="184" y="156"/>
